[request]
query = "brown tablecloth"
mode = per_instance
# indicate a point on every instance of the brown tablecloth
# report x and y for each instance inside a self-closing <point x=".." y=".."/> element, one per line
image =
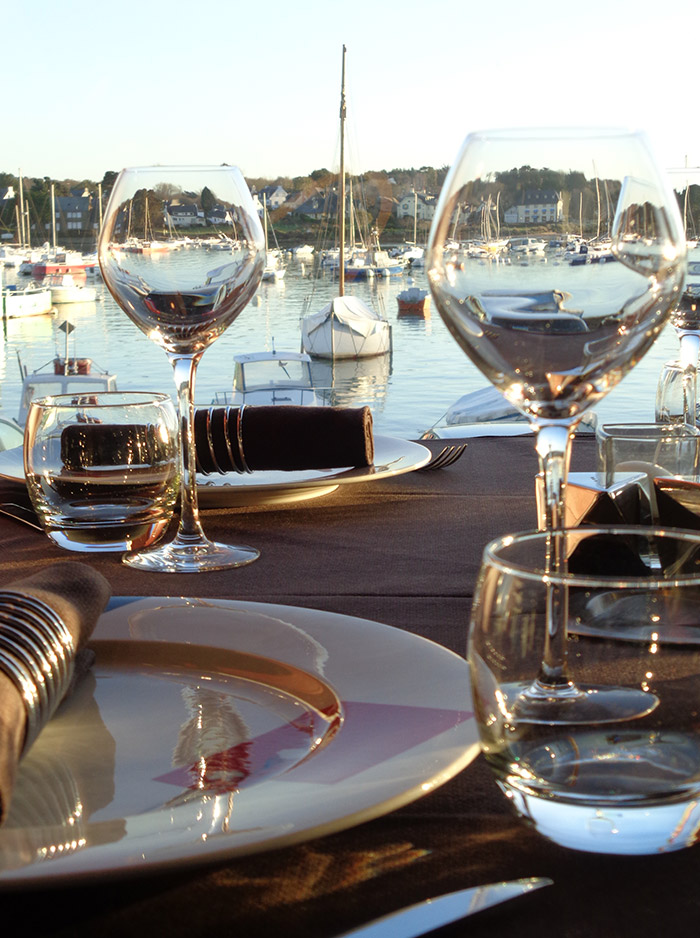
<point x="404" y="551"/>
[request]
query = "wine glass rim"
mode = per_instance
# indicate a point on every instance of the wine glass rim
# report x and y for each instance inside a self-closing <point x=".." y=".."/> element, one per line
<point x="87" y="398"/>
<point x="547" y="132"/>
<point x="494" y="556"/>
<point x="180" y="168"/>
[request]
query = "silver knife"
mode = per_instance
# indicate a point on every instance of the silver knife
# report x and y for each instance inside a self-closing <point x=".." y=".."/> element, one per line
<point x="433" y="913"/>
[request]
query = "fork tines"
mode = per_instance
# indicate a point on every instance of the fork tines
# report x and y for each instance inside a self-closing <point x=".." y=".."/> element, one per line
<point x="445" y="457"/>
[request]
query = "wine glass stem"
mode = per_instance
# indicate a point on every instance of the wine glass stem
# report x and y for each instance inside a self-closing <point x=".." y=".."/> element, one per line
<point x="553" y="447"/>
<point x="184" y="373"/>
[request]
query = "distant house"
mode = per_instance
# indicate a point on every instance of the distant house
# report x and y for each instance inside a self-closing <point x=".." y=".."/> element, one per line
<point x="274" y="196"/>
<point x="317" y="204"/>
<point x="218" y="215"/>
<point x="418" y="204"/>
<point x="537" y="206"/>
<point x="74" y="212"/>
<point x="6" y="193"/>
<point x="185" y="215"/>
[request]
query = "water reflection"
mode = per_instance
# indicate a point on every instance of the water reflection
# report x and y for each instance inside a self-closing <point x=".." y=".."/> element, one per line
<point x="428" y="371"/>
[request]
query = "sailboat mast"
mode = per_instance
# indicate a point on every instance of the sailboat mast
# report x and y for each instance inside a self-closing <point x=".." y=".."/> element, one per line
<point x="265" y="219"/>
<point x="24" y="241"/>
<point x="53" y="216"/>
<point x="341" y="259"/>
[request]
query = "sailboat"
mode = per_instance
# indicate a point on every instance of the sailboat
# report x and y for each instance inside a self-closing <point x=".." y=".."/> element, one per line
<point x="346" y="327"/>
<point x="274" y="266"/>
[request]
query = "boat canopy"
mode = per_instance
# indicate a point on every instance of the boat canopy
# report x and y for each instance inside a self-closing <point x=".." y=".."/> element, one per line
<point x="349" y="310"/>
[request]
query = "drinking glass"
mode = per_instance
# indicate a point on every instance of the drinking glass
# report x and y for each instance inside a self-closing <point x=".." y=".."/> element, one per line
<point x="676" y="394"/>
<point x="659" y="449"/>
<point x="102" y="468"/>
<point x="685" y="318"/>
<point x="183" y="295"/>
<point x="633" y="785"/>
<point x="551" y="332"/>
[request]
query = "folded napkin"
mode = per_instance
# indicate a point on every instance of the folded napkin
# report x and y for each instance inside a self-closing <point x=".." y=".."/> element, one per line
<point x="84" y="445"/>
<point x="76" y="594"/>
<point x="233" y="439"/>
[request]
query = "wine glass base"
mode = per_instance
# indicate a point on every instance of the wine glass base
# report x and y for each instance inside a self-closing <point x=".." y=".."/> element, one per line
<point x="577" y="705"/>
<point x="198" y="557"/>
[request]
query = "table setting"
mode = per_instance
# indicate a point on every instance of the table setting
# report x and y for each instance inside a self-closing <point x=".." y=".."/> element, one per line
<point x="481" y="677"/>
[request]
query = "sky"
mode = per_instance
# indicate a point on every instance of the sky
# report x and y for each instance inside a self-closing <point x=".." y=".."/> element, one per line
<point x="94" y="86"/>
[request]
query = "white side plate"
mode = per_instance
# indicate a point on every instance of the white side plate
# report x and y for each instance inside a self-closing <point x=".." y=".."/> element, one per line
<point x="392" y="457"/>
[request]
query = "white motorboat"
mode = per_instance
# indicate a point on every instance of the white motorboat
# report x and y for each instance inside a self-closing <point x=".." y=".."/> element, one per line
<point x="33" y="299"/>
<point x="66" y="288"/>
<point x="267" y="378"/>
<point x="345" y="328"/>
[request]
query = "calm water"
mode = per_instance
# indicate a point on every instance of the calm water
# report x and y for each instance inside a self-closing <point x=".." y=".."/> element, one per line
<point x="408" y="391"/>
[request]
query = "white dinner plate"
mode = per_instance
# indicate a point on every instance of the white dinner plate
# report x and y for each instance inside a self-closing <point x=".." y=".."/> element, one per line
<point x="392" y="456"/>
<point x="210" y="729"/>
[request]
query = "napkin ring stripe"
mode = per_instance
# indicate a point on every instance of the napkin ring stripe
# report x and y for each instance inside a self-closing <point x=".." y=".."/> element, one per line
<point x="239" y="438"/>
<point x="36" y="653"/>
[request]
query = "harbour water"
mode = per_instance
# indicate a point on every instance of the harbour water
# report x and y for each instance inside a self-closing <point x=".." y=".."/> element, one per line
<point x="408" y="390"/>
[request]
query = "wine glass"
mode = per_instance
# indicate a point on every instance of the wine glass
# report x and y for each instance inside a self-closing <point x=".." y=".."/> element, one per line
<point x="183" y="295"/>
<point x="556" y="328"/>
<point x="686" y="320"/>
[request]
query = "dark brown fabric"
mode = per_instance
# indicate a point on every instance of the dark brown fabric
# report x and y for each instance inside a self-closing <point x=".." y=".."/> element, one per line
<point x="283" y="438"/>
<point x="404" y="551"/>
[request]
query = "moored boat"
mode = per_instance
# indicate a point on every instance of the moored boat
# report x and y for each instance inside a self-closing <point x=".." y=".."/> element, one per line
<point x="30" y="300"/>
<point x="70" y="262"/>
<point x="345" y="328"/>
<point x="62" y="376"/>
<point x="67" y="288"/>
<point x="414" y="302"/>
<point x="267" y="378"/>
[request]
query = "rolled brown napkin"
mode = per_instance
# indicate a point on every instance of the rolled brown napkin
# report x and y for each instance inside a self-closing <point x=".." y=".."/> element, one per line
<point x="84" y="445"/>
<point x="290" y="438"/>
<point x="75" y="594"/>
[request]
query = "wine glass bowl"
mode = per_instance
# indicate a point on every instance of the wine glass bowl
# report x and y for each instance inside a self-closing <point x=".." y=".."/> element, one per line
<point x="555" y="334"/>
<point x="183" y="294"/>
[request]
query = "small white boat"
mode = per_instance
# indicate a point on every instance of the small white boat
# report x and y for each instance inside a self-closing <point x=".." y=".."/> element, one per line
<point x="30" y="300"/>
<point x="303" y="250"/>
<point x="274" y="269"/>
<point x="345" y="328"/>
<point x="65" y="288"/>
<point x="414" y="302"/>
<point x="267" y="378"/>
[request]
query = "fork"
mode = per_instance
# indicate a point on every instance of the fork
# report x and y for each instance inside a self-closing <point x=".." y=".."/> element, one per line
<point x="446" y="456"/>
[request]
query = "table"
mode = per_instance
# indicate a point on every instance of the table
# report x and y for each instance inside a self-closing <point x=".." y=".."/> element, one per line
<point x="404" y="551"/>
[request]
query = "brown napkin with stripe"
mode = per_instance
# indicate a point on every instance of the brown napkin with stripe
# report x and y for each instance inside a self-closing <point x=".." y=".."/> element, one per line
<point x="290" y="438"/>
<point x="77" y="594"/>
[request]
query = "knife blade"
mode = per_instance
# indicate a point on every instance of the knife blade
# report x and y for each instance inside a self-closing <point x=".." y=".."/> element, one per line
<point x="430" y="914"/>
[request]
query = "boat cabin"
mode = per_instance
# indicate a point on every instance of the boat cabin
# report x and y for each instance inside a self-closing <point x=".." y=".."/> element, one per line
<point x="46" y="383"/>
<point x="266" y="378"/>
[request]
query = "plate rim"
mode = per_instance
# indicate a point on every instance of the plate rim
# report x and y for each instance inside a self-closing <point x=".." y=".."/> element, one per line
<point x="218" y="494"/>
<point x="41" y="875"/>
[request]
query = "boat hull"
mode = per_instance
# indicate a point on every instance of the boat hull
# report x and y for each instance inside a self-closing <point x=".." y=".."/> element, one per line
<point x="16" y="303"/>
